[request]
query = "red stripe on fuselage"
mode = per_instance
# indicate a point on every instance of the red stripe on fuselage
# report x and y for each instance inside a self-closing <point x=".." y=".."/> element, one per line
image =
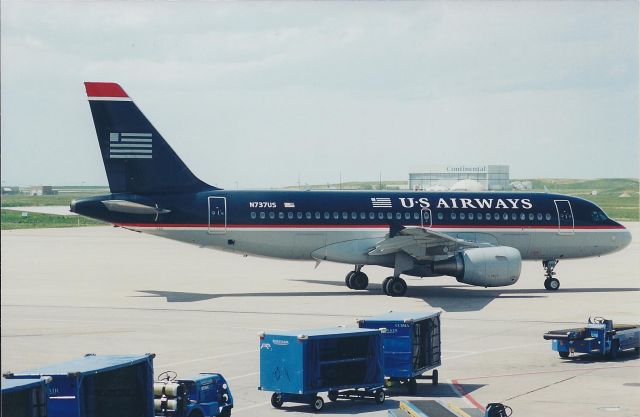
<point x="104" y="90"/>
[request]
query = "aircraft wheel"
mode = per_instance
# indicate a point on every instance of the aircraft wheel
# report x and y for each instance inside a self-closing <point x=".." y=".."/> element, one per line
<point x="276" y="400"/>
<point x="347" y="279"/>
<point x="552" y="284"/>
<point x="359" y="281"/>
<point x="317" y="404"/>
<point x="396" y="287"/>
<point x="384" y="285"/>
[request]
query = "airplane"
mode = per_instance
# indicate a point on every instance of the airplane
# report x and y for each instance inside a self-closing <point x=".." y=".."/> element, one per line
<point x="479" y="238"/>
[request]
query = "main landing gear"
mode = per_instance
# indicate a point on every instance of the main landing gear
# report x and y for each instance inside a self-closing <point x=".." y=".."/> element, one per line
<point x="550" y="283"/>
<point x="394" y="286"/>
<point x="356" y="279"/>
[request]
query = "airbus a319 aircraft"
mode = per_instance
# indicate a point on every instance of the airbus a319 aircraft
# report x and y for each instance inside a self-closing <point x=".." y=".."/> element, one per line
<point x="478" y="238"/>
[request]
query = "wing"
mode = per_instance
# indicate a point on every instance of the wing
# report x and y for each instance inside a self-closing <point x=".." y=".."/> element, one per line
<point x="422" y="244"/>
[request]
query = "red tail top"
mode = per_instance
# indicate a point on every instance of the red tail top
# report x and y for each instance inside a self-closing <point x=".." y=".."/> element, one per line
<point x="104" y="90"/>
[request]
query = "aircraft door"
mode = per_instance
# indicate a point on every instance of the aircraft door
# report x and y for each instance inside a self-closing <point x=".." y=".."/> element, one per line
<point x="565" y="217"/>
<point x="217" y="215"/>
<point x="425" y="217"/>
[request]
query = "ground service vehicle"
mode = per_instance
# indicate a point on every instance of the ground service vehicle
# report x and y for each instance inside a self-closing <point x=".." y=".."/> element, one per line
<point x="411" y="345"/>
<point x="203" y="395"/>
<point x="599" y="337"/>
<point x="346" y="363"/>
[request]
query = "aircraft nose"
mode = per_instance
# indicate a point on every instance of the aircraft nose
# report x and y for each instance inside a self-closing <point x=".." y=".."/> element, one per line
<point x="624" y="238"/>
<point x="72" y="206"/>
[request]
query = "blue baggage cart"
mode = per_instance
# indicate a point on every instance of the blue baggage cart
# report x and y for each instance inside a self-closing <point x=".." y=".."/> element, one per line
<point x="411" y="346"/>
<point x="346" y="363"/>
<point x="24" y="397"/>
<point x="98" y="386"/>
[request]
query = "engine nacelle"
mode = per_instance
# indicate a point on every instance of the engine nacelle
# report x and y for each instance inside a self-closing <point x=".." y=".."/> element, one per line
<point x="495" y="266"/>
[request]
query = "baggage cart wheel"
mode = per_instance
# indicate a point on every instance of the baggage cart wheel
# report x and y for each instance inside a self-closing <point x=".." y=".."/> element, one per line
<point x="380" y="396"/>
<point x="564" y="355"/>
<point x="317" y="404"/>
<point x="276" y="400"/>
<point x="333" y="395"/>
<point x="434" y="377"/>
<point x="413" y="386"/>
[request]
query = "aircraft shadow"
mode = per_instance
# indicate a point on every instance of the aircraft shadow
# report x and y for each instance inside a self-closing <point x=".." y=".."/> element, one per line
<point x="453" y="298"/>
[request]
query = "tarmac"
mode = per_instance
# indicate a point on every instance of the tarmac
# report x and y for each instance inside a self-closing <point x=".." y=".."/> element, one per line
<point x="67" y="292"/>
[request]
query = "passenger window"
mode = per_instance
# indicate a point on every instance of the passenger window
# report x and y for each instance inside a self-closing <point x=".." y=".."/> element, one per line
<point x="523" y="216"/>
<point x="336" y="215"/>
<point x="389" y="216"/>
<point x="380" y="215"/>
<point x="398" y="215"/>
<point x="327" y="216"/>
<point x="487" y="216"/>
<point x="281" y="215"/>
<point x="416" y="215"/>
<point x="317" y="215"/>
<point x="505" y="216"/>
<point x="531" y="217"/>
<point x="262" y="215"/>
<point x="547" y="216"/>
<point x="345" y="215"/>
<point x="272" y="215"/>
<point x="425" y="215"/>
<point x="307" y="215"/>
<point x="496" y="216"/>
<point x="471" y="216"/>
<point x="290" y="215"/>
<point x="462" y="216"/>
<point x="372" y="215"/>
<point x="299" y="215"/>
<point x="440" y="216"/>
<point x="253" y="214"/>
<point x="539" y="216"/>
<point x="407" y="216"/>
<point x="354" y="215"/>
<point x="363" y="215"/>
<point x="453" y="216"/>
<point x="514" y="216"/>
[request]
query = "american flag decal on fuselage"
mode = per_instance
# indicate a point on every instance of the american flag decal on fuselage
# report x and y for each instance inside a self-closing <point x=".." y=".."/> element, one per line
<point x="130" y="145"/>
<point x="381" y="202"/>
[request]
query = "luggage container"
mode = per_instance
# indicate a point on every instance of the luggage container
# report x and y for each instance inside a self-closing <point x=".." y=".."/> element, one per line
<point x="98" y="386"/>
<point x="411" y="346"/>
<point x="24" y="397"/>
<point x="346" y="363"/>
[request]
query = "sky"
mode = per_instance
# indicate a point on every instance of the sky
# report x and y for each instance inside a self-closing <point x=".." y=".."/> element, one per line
<point x="263" y="94"/>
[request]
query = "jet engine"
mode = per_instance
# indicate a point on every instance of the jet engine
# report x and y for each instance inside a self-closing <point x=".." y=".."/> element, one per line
<point x="495" y="266"/>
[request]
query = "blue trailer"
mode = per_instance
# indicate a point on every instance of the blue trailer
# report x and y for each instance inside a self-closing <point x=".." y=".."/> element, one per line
<point x="203" y="395"/>
<point x="599" y="337"/>
<point x="412" y="346"/>
<point x="98" y="386"/>
<point x="346" y="363"/>
<point x="24" y="397"/>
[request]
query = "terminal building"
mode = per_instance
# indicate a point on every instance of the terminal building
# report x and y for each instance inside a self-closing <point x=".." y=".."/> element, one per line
<point x="460" y="178"/>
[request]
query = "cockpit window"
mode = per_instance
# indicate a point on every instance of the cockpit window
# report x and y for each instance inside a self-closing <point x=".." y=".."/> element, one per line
<point x="598" y="216"/>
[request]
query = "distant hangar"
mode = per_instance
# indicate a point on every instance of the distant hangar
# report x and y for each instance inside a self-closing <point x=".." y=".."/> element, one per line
<point x="460" y="178"/>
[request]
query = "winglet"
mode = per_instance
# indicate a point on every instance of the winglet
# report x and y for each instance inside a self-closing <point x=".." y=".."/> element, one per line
<point x="105" y="91"/>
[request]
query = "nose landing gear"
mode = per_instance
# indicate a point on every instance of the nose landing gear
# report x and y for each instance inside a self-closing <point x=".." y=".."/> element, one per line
<point x="356" y="279"/>
<point x="550" y="283"/>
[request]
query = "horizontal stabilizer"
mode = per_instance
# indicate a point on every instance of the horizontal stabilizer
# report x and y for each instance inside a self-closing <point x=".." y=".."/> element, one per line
<point x="129" y="207"/>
